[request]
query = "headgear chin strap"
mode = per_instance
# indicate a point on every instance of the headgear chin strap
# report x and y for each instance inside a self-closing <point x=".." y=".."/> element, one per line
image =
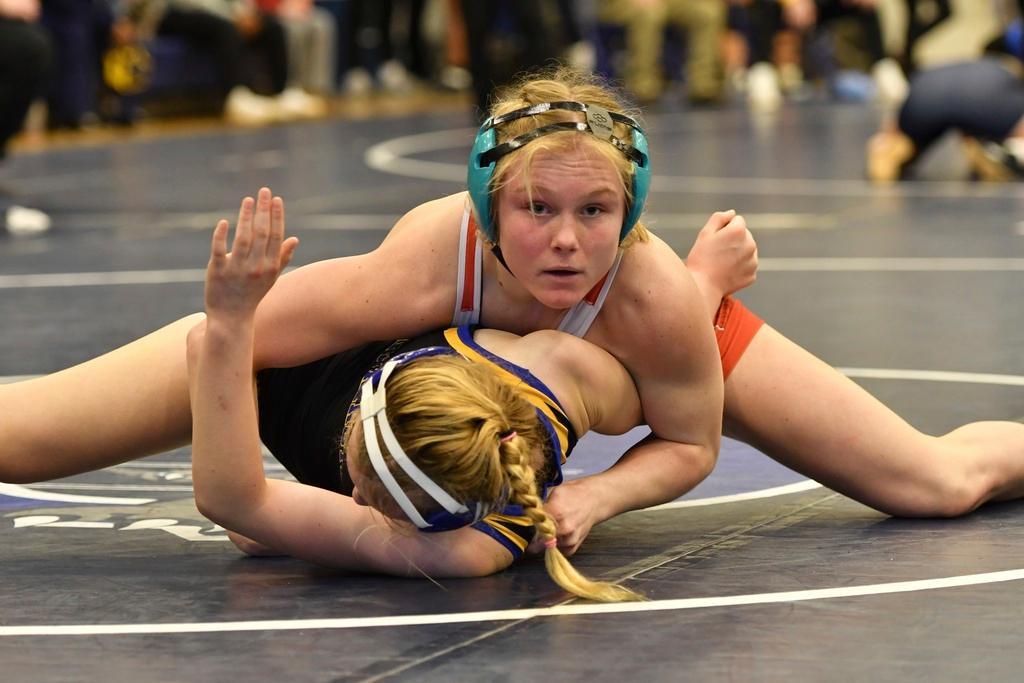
<point x="486" y="152"/>
<point x="373" y="403"/>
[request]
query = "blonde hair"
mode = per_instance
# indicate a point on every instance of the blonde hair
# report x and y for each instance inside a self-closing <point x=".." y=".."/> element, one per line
<point x="455" y="420"/>
<point x="559" y="85"/>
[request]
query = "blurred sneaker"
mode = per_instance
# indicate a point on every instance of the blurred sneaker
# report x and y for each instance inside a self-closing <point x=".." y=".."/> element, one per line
<point x="581" y="56"/>
<point x="357" y="82"/>
<point x="22" y="221"/>
<point x="455" y="78"/>
<point x="736" y="81"/>
<point x="850" y="85"/>
<point x="296" y="103"/>
<point x="243" y="107"/>
<point x="888" y="155"/>
<point x="763" y="92"/>
<point x="891" y="85"/>
<point x="992" y="161"/>
<point x="791" y="78"/>
<point x="393" y="76"/>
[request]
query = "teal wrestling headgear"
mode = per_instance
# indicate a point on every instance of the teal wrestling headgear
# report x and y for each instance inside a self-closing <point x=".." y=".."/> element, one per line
<point x="487" y="151"/>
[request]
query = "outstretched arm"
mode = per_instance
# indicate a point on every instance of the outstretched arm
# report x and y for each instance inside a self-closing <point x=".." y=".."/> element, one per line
<point x="231" y="488"/>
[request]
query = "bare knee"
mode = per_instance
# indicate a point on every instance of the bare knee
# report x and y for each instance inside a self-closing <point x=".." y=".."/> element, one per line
<point x="945" y="492"/>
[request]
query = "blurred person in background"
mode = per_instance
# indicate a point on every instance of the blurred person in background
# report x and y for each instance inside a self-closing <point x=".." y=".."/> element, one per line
<point x="235" y="33"/>
<point x="703" y="23"/>
<point x="312" y="36"/>
<point x="25" y="59"/>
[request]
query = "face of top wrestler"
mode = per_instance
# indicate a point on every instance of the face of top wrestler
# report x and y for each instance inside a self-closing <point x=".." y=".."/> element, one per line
<point x="561" y="237"/>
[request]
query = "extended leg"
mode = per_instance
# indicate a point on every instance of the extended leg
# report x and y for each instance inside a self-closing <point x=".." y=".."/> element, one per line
<point x="123" y="405"/>
<point x="809" y="417"/>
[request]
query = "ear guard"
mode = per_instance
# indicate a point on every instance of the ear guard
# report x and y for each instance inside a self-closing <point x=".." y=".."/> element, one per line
<point x="453" y="514"/>
<point x="486" y="152"/>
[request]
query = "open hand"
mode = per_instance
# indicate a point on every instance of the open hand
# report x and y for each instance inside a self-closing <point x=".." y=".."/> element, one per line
<point x="236" y="281"/>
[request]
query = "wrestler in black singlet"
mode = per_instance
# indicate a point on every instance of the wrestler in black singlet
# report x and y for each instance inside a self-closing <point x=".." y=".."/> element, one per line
<point x="302" y="413"/>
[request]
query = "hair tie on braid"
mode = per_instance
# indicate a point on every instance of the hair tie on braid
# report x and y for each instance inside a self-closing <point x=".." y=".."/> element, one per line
<point x="508" y="437"/>
<point x="551" y="543"/>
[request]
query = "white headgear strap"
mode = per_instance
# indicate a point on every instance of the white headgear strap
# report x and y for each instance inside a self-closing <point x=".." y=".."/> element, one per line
<point x="372" y="407"/>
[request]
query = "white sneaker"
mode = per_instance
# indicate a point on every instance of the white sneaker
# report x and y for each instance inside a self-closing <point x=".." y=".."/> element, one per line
<point x="357" y="82"/>
<point x="393" y="76"/>
<point x="455" y="78"/>
<point x="243" y="107"/>
<point x="22" y="221"/>
<point x="581" y="56"/>
<point x="890" y="83"/>
<point x="763" y="92"/>
<point x="296" y="103"/>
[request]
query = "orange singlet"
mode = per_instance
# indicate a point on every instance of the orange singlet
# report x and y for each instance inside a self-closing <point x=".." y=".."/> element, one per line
<point x="735" y="327"/>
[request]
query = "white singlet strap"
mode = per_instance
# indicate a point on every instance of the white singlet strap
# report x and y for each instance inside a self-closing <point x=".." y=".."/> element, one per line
<point x="467" y="288"/>
<point x="579" y="318"/>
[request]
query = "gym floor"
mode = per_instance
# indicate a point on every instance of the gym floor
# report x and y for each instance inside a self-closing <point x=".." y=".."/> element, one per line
<point x="758" y="574"/>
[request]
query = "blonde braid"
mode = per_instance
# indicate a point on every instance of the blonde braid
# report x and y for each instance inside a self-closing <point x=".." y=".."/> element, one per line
<point x="522" y="480"/>
<point x="473" y="433"/>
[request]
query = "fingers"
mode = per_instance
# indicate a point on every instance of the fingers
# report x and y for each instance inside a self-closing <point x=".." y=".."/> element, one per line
<point x="287" y="251"/>
<point x="738" y="223"/>
<point x="718" y="220"/>
<point x="261" y="225"/>
<point x="276" y="232"/>
<point x="259" y="234"/>
<point x="243" y="229"/>
<point x="219" y="244"/>
<point x="568" y="546"/>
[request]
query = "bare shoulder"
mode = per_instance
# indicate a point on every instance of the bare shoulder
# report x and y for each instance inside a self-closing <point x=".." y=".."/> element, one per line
<point x="434" y="222"/>
<point x="654" y="302"/>
<point x="594" y="389"/>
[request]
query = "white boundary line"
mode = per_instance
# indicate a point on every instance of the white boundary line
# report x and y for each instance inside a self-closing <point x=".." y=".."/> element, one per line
<point x="517" y="614"/>
<point x="935" y="376"/>
<point x="15" y="491"/>
<point x="784" y="490"/>
<point x="392" y="156"/>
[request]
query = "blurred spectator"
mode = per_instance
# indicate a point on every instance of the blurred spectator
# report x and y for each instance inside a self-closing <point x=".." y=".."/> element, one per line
<point x="81" y="33"/>
<point x="25" y="58"/>
<point x="982" y="99"/>
<point x="504" y="38"/>
<point x="769" y="17"/>
<point x="312" y="43"/>
<point x="703" y="23"/>
<point x="577" y="50"/>
<point x="229" y="31"/>
<point x="453" y="72"/>
<point x="373" y="57"/>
